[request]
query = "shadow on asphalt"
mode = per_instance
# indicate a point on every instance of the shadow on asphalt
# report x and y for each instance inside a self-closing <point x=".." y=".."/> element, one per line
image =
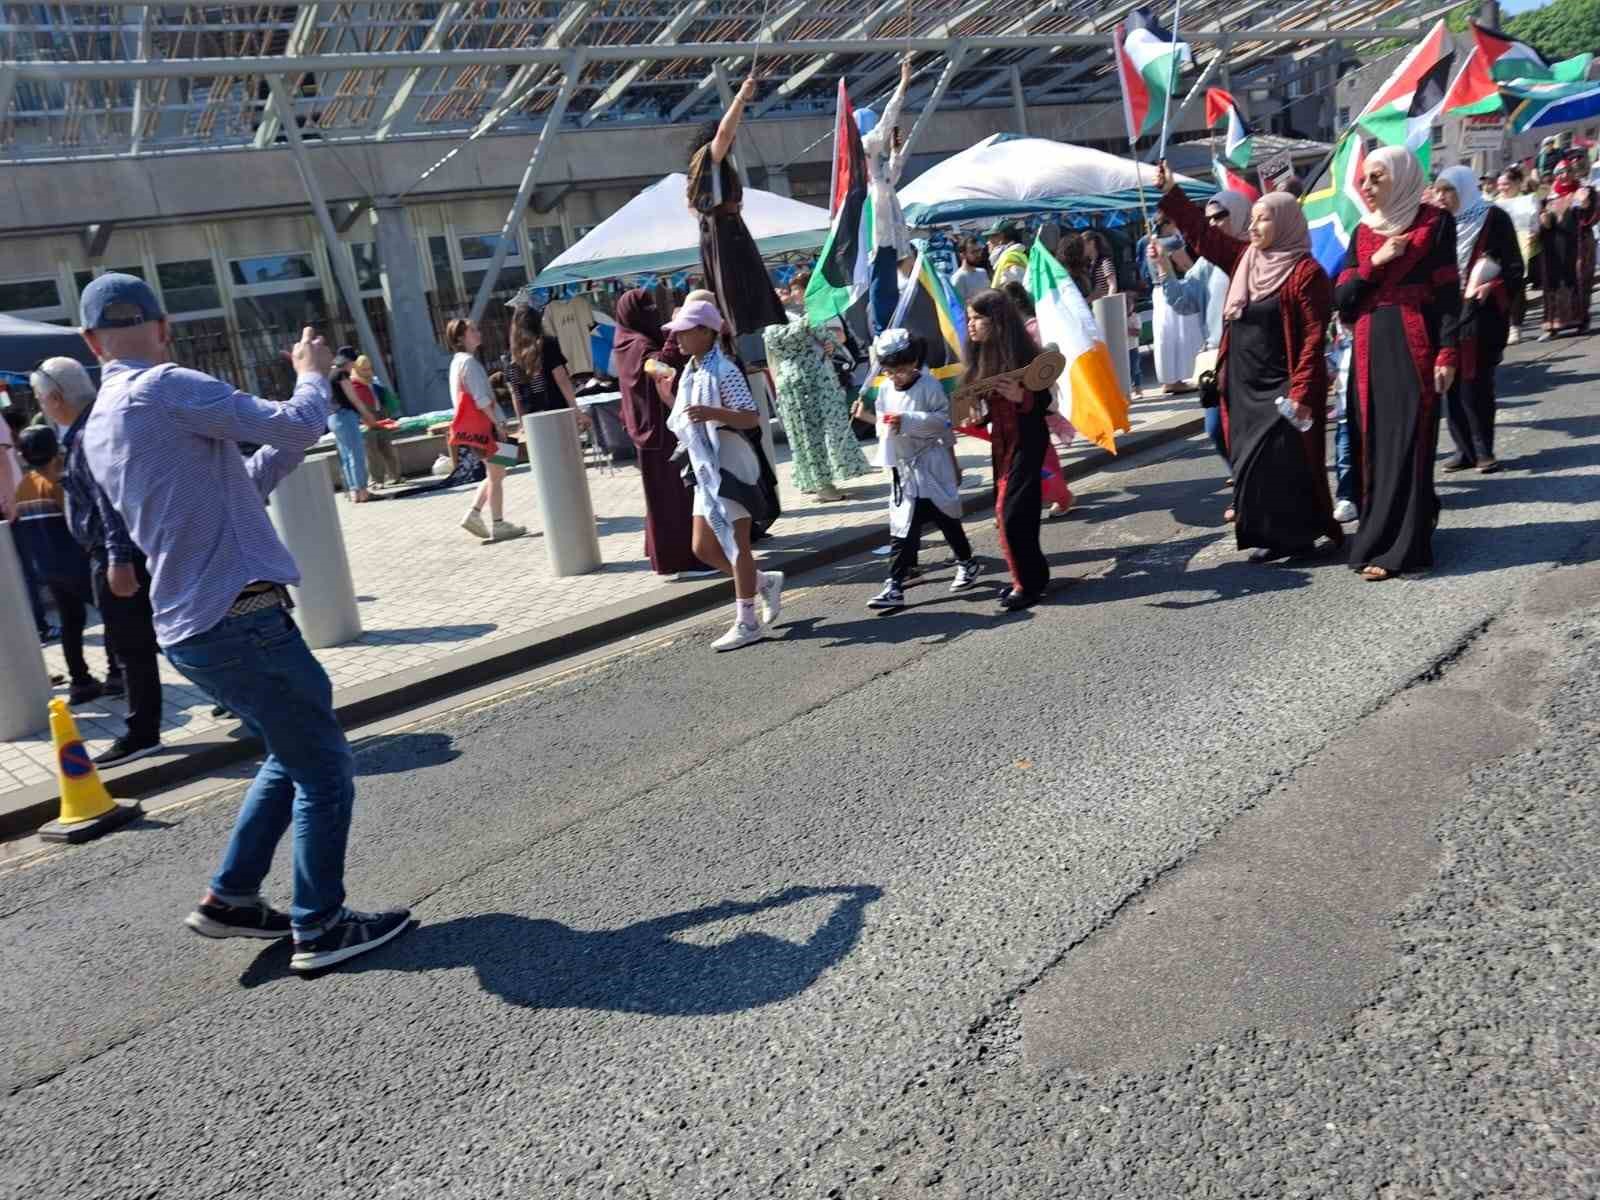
<point x="640" y="968"/>
<point x="395" y="754"/>
<point x="431" y="633"/>
<point x="1162" y="568"/>
<point x="941" y="616"/>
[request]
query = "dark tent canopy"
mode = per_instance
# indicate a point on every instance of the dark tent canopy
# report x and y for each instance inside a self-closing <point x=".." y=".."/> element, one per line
<point x="25" y="344"/>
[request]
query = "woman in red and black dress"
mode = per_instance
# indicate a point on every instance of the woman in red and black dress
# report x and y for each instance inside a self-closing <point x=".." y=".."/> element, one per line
<point x="1400" y="294"/>
<point x="998" y="342"/>
<point x="1566" y="237"/>
<point x="1273" y="345"/>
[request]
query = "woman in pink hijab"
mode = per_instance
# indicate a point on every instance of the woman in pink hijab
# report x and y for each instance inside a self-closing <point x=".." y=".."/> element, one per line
<point x="1272" y="371"/>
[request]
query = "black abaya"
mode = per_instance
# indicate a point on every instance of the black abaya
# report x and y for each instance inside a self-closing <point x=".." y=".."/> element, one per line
<point x="1483" y="331"/>
<point x="1275" y="496"/>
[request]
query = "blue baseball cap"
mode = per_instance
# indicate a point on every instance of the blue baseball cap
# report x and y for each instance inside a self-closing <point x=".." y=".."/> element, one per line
<point x="112" y="290"/>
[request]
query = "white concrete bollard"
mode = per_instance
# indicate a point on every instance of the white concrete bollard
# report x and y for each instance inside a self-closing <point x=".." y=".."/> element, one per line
<point x="554" y="455"/>
<point x="1111" y="314"/>
<point x="306" y="515"/>
<point x="24" y="684"/>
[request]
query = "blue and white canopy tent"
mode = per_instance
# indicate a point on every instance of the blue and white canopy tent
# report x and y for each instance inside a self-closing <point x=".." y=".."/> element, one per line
<point x="656" y="233"/>
<point x="25" y="344"/>
<point x="1009" y="176"/>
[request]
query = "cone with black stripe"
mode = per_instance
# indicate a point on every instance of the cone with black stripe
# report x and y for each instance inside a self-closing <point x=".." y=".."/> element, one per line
<point x="87" y="809"/>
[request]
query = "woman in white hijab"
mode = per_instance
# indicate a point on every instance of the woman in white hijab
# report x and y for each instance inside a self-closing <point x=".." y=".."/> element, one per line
<point x="1400" y="294"/>
<point x="1490" y="263"/>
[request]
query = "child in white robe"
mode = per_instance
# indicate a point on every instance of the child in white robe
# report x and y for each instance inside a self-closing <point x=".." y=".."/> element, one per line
<point x="915" y="444"/>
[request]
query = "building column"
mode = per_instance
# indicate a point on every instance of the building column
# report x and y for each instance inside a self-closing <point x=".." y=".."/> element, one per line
<point x="421" y="367"/>
<point x="777" y="182"/>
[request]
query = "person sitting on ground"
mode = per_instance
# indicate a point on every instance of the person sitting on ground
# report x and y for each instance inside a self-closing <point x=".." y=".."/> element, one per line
<point x="164" y="443"/>
<point x="39" y="518"/>
<point x="118" y="572"/>
<point x="915" y="442"/>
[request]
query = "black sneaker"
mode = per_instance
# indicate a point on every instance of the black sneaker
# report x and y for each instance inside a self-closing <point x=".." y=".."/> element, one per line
<point x="125" y="749"/>
<point x="214" y="919"/>
<point x="113" y="688"/>
<point x="351" y="934"/>
<point x="85" y="690"/>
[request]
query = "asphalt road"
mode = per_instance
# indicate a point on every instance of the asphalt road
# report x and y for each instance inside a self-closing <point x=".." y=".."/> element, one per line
<point x="1204" y="879"/>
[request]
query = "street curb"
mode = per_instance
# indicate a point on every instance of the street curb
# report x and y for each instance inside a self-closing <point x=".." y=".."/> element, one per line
<point x="25" y="810"/>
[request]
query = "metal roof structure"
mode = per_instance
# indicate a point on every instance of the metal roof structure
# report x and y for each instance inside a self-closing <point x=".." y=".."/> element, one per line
<point x="93" y="80"/>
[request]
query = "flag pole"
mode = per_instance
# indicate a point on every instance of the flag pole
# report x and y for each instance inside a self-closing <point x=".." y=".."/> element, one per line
<point x="1172" y="80"/>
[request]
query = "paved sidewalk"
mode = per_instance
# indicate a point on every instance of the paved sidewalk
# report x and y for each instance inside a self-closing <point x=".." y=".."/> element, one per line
<point x="428" y="590"/>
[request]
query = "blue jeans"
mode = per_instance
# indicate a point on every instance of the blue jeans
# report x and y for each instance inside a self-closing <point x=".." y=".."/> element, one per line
<point x="259" y="667"/>
<point x="1345" y="482"/>
<point x="352" y="449"/>
<point x="1136" y="368"/>
<point x="1213" y="419"/>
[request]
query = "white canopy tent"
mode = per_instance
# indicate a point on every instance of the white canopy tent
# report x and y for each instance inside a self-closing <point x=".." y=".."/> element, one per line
<point x="656" y="232"/>
<point x="1008" y="176"/>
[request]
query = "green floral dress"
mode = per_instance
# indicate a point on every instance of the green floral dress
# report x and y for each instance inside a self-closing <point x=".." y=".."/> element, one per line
<point x="814" y="408"/>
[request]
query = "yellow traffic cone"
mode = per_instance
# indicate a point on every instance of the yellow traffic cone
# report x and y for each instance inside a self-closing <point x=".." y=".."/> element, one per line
<point x="87" y="809"/>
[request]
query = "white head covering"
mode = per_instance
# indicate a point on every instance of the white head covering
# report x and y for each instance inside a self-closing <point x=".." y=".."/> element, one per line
<point x="1474" y="211"/>
<point x="1405" y="192"/>
<point x="1237" y="206"/>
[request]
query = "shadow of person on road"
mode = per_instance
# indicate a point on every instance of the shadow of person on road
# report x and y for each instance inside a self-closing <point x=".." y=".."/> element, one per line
<point x="641" y="968"/>
<point x="943" y="618"/>
<point x="1161" y="569"/>
<point x="394" y="754"/>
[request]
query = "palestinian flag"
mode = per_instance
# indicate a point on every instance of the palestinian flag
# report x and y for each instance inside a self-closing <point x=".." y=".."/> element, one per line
<point x="840" y="277"/>
<point x="1236" y="141"/>
<point x="1148" y="61"/>
<point x="1497" y="59"/>
<point x="1230" y="180"/>
<point x="1334" y="212"/>
<point x="931" y="308"/>
<point x="1408" y="118"/>
<point x="1538" y="105"/>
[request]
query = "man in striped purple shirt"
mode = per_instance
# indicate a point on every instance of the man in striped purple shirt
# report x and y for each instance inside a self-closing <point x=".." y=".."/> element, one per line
<point x="163" y="442"/>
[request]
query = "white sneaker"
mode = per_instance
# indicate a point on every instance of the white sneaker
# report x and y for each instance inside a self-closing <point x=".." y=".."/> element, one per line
<point x="504" y="531"/>
<point x="1514" y="336"/>
<point x="770" y="591"/>
<point x="966" y="575"/>
<point x="890" y="597"/>
<point x="1344" y="512"/>
<point x="473" y="524"/>
<point x="740" y="635"/>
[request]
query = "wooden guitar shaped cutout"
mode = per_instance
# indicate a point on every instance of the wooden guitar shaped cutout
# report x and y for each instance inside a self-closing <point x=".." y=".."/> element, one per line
<point x="1038" y="376"/>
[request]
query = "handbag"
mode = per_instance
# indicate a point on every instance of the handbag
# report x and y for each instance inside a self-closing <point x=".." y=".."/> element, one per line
<point x="1205" y="369"/>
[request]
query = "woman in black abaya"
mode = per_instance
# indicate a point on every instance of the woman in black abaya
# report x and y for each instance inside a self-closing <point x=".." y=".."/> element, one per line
<point x="1400" y="294"/>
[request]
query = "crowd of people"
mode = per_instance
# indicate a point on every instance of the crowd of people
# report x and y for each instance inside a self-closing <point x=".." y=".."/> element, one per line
<point x="134" y="495"/>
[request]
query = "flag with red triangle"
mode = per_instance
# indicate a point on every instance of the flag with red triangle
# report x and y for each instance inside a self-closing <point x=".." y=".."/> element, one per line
<point x="1237" y="143"/>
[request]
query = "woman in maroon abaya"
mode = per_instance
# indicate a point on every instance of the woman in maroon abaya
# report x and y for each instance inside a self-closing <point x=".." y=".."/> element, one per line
<point x="1566" y="237"/>
<point x="1273" y="348"/>
<point x="1400" y="293"/>
<point x="668" y="524"/>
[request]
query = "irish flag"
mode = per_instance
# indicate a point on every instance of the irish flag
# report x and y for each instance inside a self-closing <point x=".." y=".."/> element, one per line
<point x="1497" y="59"/>
<point x="1236" y="140"/>
<point x="844" y="263"/>
<point x="1094" y="399"/>
<point x="1148" y="61"/>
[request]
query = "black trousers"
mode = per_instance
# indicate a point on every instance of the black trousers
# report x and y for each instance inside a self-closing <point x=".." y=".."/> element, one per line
<point x="131" y="633"/>
<point x="70" y="605"/>
<point x="905" y="549"/>
<point x="1469" y="411"/>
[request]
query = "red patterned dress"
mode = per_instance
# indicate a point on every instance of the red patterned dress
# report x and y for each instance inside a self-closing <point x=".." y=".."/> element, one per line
<point x="1404" y="315"/>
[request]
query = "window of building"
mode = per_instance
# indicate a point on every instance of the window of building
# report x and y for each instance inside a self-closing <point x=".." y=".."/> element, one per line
<point x="273" y="268"/>
<point x="547" y="244"/>
<point x="34" y="299"/>
<point x="82" y="279"/>
<point x="477" y="251"/>
<point x="189" y="287"/>
<point x="444" y="276"/>
<point x="369" y="268"/>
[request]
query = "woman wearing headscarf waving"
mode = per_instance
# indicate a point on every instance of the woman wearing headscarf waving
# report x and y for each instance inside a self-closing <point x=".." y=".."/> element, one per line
<point x="668" y="504"/>
<point x="1273" y="371"/>
<point x="1566" y="238"/>
<point x="1490" y="263"/>
<point x="1400" y="294"/>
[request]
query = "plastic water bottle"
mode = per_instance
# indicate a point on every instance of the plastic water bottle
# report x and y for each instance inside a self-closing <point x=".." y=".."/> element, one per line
<point x="1289" y="411"/>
